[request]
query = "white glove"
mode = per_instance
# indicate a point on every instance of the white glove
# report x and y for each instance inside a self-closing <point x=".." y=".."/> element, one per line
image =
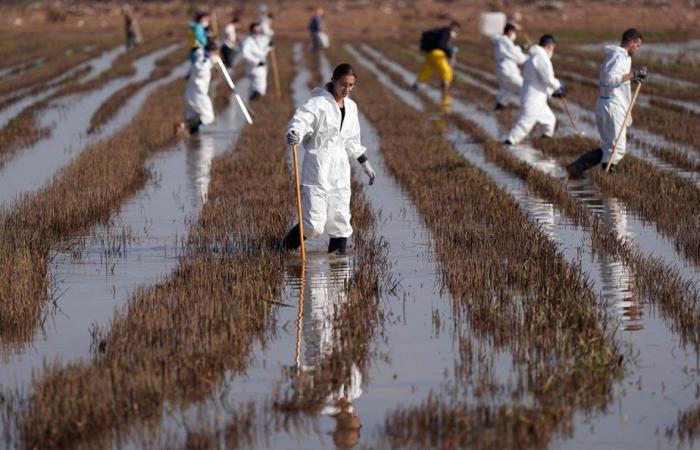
<point x="369" y="171"/>
<point x="293" y="138"/>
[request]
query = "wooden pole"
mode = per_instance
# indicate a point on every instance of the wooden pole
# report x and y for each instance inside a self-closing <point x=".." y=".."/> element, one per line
<point x="297" y="182"/>
<point x="623" y="128"/>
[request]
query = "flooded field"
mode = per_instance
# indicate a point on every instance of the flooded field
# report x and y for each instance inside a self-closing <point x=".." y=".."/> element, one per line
<point x="485" y="299"/>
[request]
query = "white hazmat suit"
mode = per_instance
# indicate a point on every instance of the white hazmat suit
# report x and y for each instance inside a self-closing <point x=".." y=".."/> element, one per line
<point x="254" y="50"/>
<point x="539" y="83"/>
<point x="508" y="57"/>
<point x="198" y="106"/>
<point x="325" y="175"/>
<point x="615" y="98"/>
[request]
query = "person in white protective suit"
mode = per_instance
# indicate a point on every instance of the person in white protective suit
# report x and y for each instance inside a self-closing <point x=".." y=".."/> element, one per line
<point x="328" y="127"/>
<point x="198" y="106"/>
<point x="539" y="83"/>
<point x="615" y="97"/>
<point x="254" y="50"/>
<point x="265" y="22"/>
<point x="508" y="57"/>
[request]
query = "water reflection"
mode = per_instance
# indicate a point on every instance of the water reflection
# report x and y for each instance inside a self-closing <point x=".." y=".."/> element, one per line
<point x="618" y="287"/>
<point x="200" y="154"/>
<point x="321" y="285"/>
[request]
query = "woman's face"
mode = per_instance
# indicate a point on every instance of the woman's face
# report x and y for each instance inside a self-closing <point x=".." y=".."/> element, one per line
<point x="342" y="87"/>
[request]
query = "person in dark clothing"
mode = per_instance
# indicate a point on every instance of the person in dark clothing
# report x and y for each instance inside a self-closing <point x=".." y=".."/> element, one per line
<point x="435" y="44"/>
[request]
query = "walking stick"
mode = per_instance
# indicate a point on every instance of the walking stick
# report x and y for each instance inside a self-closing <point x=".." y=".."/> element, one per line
<point x="275" y="72"/>
<point x="623" y="127"/>
<point x="568" y="113"/>
<point x="229" y="81"/>
<point x="298" y="191"/>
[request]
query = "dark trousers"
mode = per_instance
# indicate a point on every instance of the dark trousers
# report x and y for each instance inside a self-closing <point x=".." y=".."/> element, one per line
<point x="586" y="161"/>
<point x="227" y="56"/>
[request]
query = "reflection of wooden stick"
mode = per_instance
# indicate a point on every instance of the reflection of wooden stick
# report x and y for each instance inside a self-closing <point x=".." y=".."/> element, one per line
<point x="300" y="317"/>
<point x="568" y="113"/>
<point x="297" y="183"/>
<point x="275" y="72"/>
<point x="623" y="128"/>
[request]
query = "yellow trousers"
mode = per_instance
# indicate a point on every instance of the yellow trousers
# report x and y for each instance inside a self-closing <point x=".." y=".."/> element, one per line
<point x="436" y="61"/>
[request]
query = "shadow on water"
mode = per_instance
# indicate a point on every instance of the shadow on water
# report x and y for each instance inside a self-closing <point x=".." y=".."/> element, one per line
<point x="663" y="381"/>
<point x="32" y="168"/>
<point x="140" y="246"/>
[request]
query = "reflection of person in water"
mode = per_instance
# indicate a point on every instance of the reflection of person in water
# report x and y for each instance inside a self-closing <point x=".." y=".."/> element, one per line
<point x="618" y="274"/>
<point x="200" y="154"/>
<point x="325" y="296"/>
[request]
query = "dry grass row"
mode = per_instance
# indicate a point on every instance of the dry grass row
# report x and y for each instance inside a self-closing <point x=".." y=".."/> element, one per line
<point x="111" y="106"/>
<point x="657" y="283"/>
<point x="508" y="280"/>
<point x="24" y="130"/>
<point x="87" y="191"/>
<point x="174" y="341"/>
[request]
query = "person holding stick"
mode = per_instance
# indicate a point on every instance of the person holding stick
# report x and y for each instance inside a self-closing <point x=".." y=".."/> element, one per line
<point x="254" y="50"/>
<point x="613" y="108"/>
<point x="329" y="128"/>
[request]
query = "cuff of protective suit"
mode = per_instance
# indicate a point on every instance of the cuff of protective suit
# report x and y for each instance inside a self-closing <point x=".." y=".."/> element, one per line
<point x="362" y="159"/>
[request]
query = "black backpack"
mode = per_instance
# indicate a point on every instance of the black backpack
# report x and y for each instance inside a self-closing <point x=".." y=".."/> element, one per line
<point x="430" y="39"/>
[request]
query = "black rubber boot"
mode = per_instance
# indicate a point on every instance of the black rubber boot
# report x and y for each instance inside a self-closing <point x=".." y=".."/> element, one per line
<point x="193" y="126"/>
<point x="337" y="245"/>
<point x="255" y="96"/>
<point x="291" y="241"/>
<point x="499" y="107"/>
<point x="584" y="162"/>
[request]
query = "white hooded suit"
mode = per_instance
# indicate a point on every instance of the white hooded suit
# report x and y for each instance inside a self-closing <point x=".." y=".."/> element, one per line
<point x="197" y="102"/>
<point x="325" y="175"/>
<point x="254" y="50"/>
<point x="615" y="98"/>
<point x="539" y="83"/>
<point x="508" y="57"/>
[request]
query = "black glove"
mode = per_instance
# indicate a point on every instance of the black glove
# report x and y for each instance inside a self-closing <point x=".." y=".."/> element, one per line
<point x="559" y="93"/>
<point x="261" y="63"/>
<point x="640" y="74"/>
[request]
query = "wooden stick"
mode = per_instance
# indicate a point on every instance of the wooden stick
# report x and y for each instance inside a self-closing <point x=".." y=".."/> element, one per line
<point x="568" y="113"/>
<point x="300" y="317"/>
<point x="275" y="72"/>
<point x="623" y="128"/>
<point x="298" y="191"/>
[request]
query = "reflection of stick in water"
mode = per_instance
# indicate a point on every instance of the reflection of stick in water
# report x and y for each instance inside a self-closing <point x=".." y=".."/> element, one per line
<point x="227" y="77"/>
<point x="300" y="318"/>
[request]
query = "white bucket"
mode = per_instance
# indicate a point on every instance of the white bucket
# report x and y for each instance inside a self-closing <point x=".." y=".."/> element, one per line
<point x="491" y="23"/>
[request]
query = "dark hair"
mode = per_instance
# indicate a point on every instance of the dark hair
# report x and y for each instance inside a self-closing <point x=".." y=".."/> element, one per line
<point x="339" y="72"/>
<point x="455" y="24"/>
<point x="547" y="39"/>
<point x="508" y="28"/>
<point x="253" y="25"/>
<point x="200" y="15"/>
<point x="630" y="35"/>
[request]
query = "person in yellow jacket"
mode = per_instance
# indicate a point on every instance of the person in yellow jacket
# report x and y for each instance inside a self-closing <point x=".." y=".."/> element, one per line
<point x="435" y="44"/>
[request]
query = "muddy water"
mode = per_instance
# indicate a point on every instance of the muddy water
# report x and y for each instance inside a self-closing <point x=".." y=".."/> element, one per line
<point x="303" y="334"/>
<point x="97" y="65"/>
<point x="30" y="169"/>
<point x="138" y="247"/>
<point x="664" y="378"/>
<point x="641" y="234"/>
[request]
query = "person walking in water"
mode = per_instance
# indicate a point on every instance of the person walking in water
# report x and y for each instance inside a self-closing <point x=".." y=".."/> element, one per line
<point x="230" y="42"/>
<point x="435" y="44"/>
<point x="254" y="50"/>
<point x="611" y="108"/>
<point x="198" y="37"/>
<point x="328" y="127"/>
<point x="199" y="109"/>
<point x="317" y="30"/>
<point x="508" y="57"/>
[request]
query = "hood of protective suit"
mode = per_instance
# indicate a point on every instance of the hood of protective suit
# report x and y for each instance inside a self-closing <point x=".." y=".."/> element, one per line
<point x="613" y="48"/>
<point x="535" y="49"/>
